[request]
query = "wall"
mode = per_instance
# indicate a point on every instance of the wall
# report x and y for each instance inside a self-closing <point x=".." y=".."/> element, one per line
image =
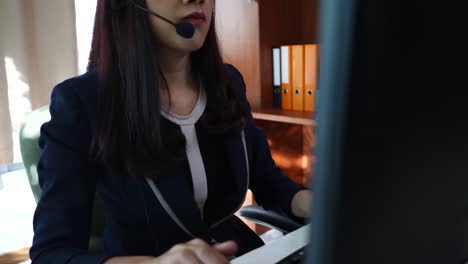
<point x="52" y="52"/>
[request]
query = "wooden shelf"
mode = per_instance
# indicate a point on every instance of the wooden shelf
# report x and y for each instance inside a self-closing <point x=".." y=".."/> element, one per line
<point x="284" y="116"/>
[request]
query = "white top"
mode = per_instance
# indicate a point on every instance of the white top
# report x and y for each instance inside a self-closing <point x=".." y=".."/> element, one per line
<point x="197" y="167"/>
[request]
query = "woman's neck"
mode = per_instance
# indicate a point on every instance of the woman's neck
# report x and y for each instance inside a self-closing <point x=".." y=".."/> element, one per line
<point x="176" y="68"/>
<point x="182" y="91"/>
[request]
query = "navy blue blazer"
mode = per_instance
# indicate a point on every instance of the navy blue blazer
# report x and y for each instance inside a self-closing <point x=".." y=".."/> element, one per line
<point x="136" y="223"/>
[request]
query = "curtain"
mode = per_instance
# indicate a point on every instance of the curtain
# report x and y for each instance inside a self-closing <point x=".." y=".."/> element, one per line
<point x="38" y="49"/>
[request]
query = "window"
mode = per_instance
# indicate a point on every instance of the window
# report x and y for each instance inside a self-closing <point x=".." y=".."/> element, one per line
<point x="84" y="11"/>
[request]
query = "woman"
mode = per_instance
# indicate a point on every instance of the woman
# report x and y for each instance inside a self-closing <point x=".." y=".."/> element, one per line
<point x="161" y="130"/>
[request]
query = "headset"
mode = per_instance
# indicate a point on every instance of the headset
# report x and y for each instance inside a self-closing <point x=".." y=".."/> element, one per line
<point x="183" y="28"/>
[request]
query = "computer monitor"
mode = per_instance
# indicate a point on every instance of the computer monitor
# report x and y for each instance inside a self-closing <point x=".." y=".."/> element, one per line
<point x="391" y="177"/>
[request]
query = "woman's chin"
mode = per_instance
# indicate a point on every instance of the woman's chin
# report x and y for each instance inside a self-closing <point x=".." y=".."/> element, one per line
<point x="190" y="46"/>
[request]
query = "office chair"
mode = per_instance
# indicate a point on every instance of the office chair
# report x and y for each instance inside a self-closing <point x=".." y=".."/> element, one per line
<point x="29" y="134"/>
<point x="259" y="215"/>
<point x="30" y="152"/>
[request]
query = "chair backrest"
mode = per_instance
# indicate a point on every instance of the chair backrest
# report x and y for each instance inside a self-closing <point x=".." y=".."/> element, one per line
<point x="30" y="151"/>
<point x="29" y="134"/>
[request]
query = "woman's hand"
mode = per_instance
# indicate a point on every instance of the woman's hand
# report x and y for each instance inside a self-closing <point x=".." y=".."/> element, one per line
<point x="195" y="251"/>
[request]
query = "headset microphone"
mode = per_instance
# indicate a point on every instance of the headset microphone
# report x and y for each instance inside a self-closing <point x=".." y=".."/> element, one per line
<point x="184" y="29"/>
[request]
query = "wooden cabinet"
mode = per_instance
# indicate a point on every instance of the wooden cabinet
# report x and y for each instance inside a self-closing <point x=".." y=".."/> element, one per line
<point x="282" y="22"/>
<point x="247" y="31"/>
<point x="238" y="32"/>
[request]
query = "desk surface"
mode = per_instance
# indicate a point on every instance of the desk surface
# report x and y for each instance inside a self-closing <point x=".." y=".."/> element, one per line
<point x="276" y="250"/>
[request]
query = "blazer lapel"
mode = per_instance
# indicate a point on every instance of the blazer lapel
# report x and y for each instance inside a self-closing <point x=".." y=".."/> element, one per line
<point x="176" y="198"/>
<point x="237" y="163"/>
<point x="237" y="166"/>
<point x="176" y="195"/>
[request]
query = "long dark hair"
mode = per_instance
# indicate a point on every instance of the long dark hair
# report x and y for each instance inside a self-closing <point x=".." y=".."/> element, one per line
<point x="130" y="134"/>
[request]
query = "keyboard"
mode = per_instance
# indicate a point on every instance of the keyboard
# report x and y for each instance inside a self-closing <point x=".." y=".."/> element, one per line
<point x="297" y="257"/>
<point x="290" y="247"/>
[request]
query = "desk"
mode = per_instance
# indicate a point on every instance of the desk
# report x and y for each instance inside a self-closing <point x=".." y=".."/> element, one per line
<point x="276" y="250"/>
